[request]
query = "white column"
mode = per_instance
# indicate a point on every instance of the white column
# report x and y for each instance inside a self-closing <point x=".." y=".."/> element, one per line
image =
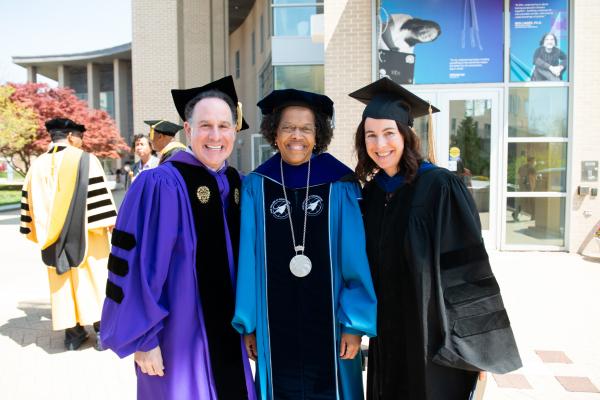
<point x="121" y="83"/>
<point x="93" y="85"/>
<point x="62" y="76"/>
<point x="32" y="74"/>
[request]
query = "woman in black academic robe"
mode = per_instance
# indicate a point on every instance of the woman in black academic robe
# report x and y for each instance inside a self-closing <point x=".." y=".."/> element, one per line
<point x="441" y="318"/>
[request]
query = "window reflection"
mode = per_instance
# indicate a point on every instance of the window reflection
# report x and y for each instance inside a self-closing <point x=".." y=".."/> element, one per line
<point x="538" y="112"/>
<point x="303" y="77"/>
<point x="535" y="221"/>
<point x="294" y="21"/>
<point x="537" y="167"/>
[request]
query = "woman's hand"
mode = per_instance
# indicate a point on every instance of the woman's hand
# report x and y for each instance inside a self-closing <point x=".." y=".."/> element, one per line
<point x="150" y="362"/>
<point x="349" y="346"/>
<point x="250" y="342"/>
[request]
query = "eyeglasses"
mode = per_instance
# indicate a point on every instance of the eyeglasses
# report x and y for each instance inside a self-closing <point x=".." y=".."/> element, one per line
<point x="304" y="130"/>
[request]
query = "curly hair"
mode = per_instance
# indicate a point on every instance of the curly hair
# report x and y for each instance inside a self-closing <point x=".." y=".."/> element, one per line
<point x="324" y="131"/>
<point x="410" y="160"/>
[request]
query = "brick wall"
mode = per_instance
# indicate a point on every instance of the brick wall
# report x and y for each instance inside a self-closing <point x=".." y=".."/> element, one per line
<point x="348" y="52"/>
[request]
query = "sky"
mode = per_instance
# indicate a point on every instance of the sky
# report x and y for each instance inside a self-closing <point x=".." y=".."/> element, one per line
<point x="46" y="27"/>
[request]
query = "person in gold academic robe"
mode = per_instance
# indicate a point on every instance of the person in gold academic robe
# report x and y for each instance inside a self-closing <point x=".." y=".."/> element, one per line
<point x="68" y="210"/>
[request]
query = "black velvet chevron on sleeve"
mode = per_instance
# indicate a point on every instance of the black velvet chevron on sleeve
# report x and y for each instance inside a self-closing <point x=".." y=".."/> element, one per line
<point x="118" y="265"/>
<point x="457" y="258"/>
<point x="114" y="292"/>
<point x="122" y="239"/>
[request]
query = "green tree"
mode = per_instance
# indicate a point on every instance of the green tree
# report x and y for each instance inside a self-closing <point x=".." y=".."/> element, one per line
<point x="18" y="129"/>
<point x="469" y="143"/>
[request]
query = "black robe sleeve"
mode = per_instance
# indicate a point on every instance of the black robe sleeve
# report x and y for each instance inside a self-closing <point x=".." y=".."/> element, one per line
<point x="476" y="330"/>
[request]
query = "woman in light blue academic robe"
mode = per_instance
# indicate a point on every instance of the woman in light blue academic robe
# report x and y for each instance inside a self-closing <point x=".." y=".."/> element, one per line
<point x="304" y="331"/>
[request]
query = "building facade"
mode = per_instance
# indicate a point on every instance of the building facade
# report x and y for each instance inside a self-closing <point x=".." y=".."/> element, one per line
<point x="100" y="77"/>
<point x="525" y="147"/>
<point x="522" y="136"/>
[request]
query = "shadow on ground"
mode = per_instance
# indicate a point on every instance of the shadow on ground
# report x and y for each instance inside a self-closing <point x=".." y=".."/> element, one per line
<point x="36" y="328"/>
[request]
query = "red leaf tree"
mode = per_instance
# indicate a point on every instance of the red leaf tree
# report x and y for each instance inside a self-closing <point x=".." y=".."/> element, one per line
<point x="101" y="137"/>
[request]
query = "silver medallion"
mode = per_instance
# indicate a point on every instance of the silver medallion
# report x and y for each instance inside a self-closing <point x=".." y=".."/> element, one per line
<point x="300" y="265"/>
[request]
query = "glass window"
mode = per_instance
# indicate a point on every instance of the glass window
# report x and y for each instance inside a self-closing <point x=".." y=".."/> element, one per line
<point x="537" y="167"/>
<point x="278" y="2"/>
<point x="304" y="77"/>
<point x="262" y="33"/>
<point x="535" y="221"/>
<point x="77" y="80"/>
<point x="470" y="150"/>
<point x="538" y="112"/>
<point x="253" y="48"/>
<point x="107" y="102"/>
<point x="265" y="81"/>
<point x="294" y="21"/>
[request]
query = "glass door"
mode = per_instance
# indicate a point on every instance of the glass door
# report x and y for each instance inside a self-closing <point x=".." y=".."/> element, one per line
<point x="467" y="140"/>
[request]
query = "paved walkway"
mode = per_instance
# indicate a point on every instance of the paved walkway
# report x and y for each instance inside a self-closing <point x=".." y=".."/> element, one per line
<point x="553" y="300"/>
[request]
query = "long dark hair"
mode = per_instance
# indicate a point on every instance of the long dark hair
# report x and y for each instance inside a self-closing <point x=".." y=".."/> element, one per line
<point x="408" y="165"/>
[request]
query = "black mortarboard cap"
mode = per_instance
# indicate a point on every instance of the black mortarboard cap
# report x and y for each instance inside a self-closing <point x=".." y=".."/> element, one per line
<point x="164" y="127"/>
<point x="278" y="99"/>
<point x="385" y="99"/>
<point x="63" y="124"/>
<point x="181" y="97"/>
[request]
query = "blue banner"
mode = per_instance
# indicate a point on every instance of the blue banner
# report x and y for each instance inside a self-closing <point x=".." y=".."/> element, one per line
<point x="441" y="41"/>
<point x="539" y="37"/>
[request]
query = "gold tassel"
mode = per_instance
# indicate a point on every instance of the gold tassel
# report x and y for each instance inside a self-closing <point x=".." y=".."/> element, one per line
<point x="238" y="123"/>
<point x="430" y="138"/>
<point x="151" y="135"/>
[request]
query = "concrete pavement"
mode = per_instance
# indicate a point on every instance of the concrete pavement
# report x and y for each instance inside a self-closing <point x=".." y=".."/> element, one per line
<point x="553" y="301"/>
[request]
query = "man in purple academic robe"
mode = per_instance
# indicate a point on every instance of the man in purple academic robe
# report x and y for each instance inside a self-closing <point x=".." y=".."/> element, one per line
<point x="171" y="285"/>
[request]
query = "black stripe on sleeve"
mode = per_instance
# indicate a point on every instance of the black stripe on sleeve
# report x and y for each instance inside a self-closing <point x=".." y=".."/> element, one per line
<point x="25" y="206"/>
<point x="96" y="192"/>
<point x="122" y="239"/>
<point x="114" y="292"/>
<point x="96" y="179"/>
<point x="25" y="218"/>
<point x="24" y="193"/>
<point x="98" y="204"/>
<point x="118" y="265"/>
<point x="456" y="258"/>
<point x="24" y="230"/>
<point x="98" y="217"/>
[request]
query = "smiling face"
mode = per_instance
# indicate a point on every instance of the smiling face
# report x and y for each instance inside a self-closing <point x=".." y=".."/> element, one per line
<point x="549" y="42"/>
<point x="296" y="135"/>
<point x="384" y="144"/>
<point x="211" y="132"/>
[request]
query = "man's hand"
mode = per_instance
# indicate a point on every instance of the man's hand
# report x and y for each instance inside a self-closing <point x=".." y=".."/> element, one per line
<point x="250" y="342"/>
<point x="150" y="362"/>
<point x="349" y="346"/>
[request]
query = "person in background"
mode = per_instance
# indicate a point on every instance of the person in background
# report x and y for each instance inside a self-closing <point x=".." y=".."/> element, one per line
<point x="143" y="150"/>
<point x="162" y="135"/>
<point x="441" y="318"/>
<point x="68" y="210"/>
